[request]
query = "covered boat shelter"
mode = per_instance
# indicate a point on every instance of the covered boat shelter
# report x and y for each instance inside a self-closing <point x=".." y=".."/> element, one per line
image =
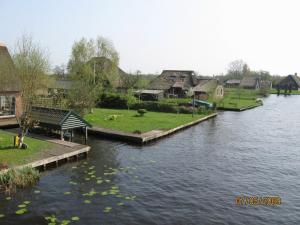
<point x="60" y="120"/>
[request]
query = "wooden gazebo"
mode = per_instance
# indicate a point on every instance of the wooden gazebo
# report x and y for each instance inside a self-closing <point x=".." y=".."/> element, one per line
<point x="59" y="119"/>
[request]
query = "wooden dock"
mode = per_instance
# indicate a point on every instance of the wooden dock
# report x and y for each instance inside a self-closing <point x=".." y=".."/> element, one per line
<point x="62" y="152"/>
<point x="147" y="137"/>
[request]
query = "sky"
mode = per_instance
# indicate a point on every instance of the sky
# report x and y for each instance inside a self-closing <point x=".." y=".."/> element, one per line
<point x="153" y="35"/>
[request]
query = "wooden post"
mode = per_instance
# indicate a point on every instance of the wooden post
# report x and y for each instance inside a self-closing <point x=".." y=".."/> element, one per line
<point x="72" y="135"/>
<point x="62" y="135"/>
<point x="86" y="134"/>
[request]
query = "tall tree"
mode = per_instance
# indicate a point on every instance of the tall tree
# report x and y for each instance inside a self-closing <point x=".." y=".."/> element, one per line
<point x="92" y="66"/>
<point x="32" y="64"/>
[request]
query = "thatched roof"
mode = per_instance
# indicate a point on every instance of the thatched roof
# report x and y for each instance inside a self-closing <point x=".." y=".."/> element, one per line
<point x="288" y="79"/>
<point x="206" y="85"/>
<point x="10" y="82"/>
<point x="249" y="82"/>
<point x="233" y="81"/>
<point x="184" y="79"/>
<point x="265" y="84"/>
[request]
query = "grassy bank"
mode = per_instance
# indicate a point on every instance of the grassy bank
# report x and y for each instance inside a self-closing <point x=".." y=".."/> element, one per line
<point x="235" y="99"/>
<point x="294" y="92"/>
<point x="128" y="121"/>
<point x="12" y="156"/>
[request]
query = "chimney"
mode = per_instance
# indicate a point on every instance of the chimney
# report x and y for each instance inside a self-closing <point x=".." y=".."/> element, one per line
<point x="296" y="74"/>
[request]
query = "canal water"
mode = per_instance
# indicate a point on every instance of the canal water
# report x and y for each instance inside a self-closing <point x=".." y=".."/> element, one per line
<point x="191" y="177"/>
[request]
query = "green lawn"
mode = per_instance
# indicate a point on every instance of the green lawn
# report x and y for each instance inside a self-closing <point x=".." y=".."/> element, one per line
<point x="238" y="98"/>
<point x="128" y="121"/>
<point x="294" y="92"/>
<point x="13" y="156"/>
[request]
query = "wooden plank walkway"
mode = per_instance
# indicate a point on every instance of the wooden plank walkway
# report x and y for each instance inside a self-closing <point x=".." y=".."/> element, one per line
<point x="144" y="137"/>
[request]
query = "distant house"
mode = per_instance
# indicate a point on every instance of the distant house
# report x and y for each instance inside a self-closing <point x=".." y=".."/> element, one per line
<point x="60" y="86"/>
<point x="149" y="95"/>
<point x="174" y="83"/>
<point x="232" y="83"/>
<point x="250" y="83"/>
<point x="266" y="84"/>
<point x="10" y="87"/>
<point x="208" y="87"/>
<point x="290" y="82"/>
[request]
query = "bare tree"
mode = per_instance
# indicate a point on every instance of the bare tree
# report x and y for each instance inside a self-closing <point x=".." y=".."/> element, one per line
<point x="32" y="64"/>
<point x="235" y="69"/>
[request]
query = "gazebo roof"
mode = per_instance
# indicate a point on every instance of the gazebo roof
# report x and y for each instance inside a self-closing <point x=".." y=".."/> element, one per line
<point x="58" y="118"/>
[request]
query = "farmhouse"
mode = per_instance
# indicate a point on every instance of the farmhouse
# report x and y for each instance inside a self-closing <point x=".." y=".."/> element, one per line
<point x="208" y="87"/>
<point x="290" y="82"/>
<point x="174" y="83"/>
<point x="232" y="83"/>
<point x="10" y="88"/>
<point x="249" y="82"/>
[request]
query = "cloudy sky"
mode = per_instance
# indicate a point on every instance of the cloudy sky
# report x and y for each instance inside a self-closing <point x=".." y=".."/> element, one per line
<point x="152" y="35"/>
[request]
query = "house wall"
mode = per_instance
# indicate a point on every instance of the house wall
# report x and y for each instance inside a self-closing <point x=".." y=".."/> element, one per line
<point x="18" y="104"/>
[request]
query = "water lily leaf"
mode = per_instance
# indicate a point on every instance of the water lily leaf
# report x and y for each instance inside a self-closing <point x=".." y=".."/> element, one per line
<point x="104" y="193"/>
<point x="65" y="222"/>
<point x="87" y="201"/>
<point x="85" y="163"/>
<point x="74" y="167"/>
<point x="92" y="167"/>
<point x="2" y="215"/>
<point x="22" y="206"/>
<point x="120" y="203"/>
<point x="107" y="209"/>
<point x="67" y="193"/>
<point x="107" y="181"/>
<point x="26" y="202"/>
<point x="8" y="198"/>
<point x="21" y="211"/>
<point x="37" y="191"/>
<point x="99" y="182"/>
<point x="75" y="218"/>
<point x="87" y="178"/>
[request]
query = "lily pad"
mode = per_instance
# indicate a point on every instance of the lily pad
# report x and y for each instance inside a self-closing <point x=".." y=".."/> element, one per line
<point x="22" y="206"/>
<point x="21" y="211"/>
<point x="67" y="193"/>
<point x="2" y="215"/>
<point x="37" y="191"/>
<point x="120" y="203"/>
<point x="65" y="222"/>
<point x="26" y="202"/>
<point x="8" y="198"/>
<point x="87" y="201"/>
<point x="75" y="218"/>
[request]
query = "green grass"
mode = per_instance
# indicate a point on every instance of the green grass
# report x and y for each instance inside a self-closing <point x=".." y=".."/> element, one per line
<point x="294" y="92"/>
<point x="126" y="120"/>
<point x="238" y="99"/>
<point x="12" y="156"/>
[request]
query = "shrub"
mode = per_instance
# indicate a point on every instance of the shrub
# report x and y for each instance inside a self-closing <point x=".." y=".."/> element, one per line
<point x="184" y="109"/>
<point x="141" y="112"/>
<point x="115" y="101"/>
<point x="156" y="106"/>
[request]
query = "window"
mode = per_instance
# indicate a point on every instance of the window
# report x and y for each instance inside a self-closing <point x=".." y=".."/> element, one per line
<point x="7" y="106"/>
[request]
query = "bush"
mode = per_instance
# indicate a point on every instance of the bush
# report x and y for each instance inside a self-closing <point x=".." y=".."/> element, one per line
<point x="115" y="101"/>
<point x="156" y="106"/>
<point x="18" y="178"/>
<point x="186" y="110"/>
<point x="141" y="112"/>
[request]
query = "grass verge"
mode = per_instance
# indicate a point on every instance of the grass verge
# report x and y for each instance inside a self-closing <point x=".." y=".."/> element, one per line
<point x="128" y="121"/>
<point x="12" y="156"/>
